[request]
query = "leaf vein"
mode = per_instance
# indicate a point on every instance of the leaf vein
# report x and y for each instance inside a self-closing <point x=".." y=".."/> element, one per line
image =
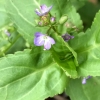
<point x="21" y="14"/>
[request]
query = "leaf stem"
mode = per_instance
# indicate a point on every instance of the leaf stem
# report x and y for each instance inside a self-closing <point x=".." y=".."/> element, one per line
<point x="55" y="29"/>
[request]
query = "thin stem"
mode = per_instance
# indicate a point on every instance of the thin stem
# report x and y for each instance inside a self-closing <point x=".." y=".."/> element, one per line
<point x="55" y="29"/>
<point x="48" y="30"/>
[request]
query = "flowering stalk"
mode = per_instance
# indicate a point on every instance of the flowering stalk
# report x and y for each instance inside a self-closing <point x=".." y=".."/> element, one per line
<point x="46" y="18"/>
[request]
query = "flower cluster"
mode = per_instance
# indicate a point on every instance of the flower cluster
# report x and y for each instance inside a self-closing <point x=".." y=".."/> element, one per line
<point x="45" y="18"/>
<point x="42" y="39"/>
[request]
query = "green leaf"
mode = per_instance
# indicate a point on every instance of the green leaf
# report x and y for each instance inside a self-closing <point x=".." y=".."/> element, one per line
<point x="73" y="16"/>
<point x="17" y="44"/>
<point x="30" y="75"/>
<point x="74" y="20"/>
<point x="65" y="56"/>
<point x="22" y="14"/>
<point x="4" y="20"/>
<point x="8" y="43"/>
<point x="75" y="90"/>
<point x="85" y="14"/>
<point x="78" y="3"/>
<point x="78" y="91"/>
<point x="87" y="46"/>
<point x="4" y="24"/>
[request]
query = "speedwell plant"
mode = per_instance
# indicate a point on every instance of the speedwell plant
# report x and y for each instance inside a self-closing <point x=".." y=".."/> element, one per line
<point x="45" y="52"/>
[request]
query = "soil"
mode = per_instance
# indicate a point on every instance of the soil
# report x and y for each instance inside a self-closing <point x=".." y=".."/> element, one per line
<point x="59" y="97"/>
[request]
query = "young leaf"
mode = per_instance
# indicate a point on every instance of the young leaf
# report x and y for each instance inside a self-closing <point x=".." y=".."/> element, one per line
<point x="4" y="24"/>
<point x="87" y="46"/>
<point x="77" y="90"/>
<point x="73" y="18"/>
<point x="65" y="56"/>
<point x="78" y="3"/>
<point x="30" y="76"/>
<point x="4" y="20"/>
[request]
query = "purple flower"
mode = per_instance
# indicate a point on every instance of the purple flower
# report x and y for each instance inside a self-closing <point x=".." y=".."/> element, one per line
<point x="43" y="10"/>
<point x="42" y="39"/>
<point x="85" y="79"/>
<point x="67" y="37"/>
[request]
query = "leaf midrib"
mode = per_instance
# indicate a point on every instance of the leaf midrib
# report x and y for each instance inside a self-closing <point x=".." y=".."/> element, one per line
<point x="20" y="14"/>
<point x="59" y="8"/>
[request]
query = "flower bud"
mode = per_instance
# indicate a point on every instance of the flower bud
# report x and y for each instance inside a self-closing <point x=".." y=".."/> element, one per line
<point x="67" y="37"/>
<point x="52" y="20"/>
<point x="40" y="23"/>
<point x="63" y="19"/>
<point x="45" y="19"/>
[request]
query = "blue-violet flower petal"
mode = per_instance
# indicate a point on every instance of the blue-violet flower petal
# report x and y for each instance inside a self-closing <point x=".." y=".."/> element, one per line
<point x="85" y="79"/>
<point x="43" y="10"/>
<point x="41" y="39"/>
